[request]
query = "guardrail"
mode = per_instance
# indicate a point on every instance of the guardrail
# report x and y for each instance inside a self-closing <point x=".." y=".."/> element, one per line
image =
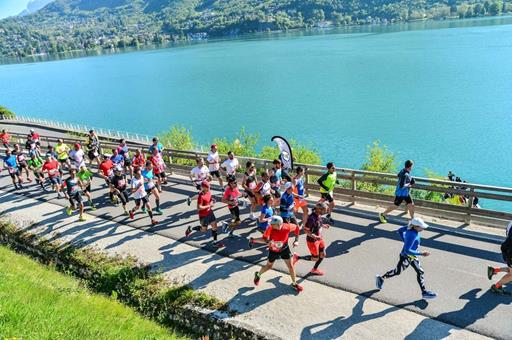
<point x="349" y="188"/>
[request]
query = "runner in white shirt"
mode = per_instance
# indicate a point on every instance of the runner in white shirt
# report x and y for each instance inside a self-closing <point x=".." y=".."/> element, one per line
<point x="198" y="174"/>
<point x="77" y="157"/>
<point x="140" y="195"/>
<point x="213" y="160"/>
<point x="231" y="164"/>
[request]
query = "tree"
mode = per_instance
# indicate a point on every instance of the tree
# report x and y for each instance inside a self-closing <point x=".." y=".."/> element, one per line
<point x="5" y="113"/>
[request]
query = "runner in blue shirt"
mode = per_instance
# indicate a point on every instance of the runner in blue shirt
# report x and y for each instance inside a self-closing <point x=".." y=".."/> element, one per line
<point x="11" y="163"/>
<point x="402" y="192"/>
<point x="287" y="204"/>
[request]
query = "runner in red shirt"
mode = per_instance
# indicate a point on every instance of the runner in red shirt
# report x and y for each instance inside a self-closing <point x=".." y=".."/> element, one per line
<point x="138" y="161"/>
<point x="230" y="197"/>
<point x="52" y="167"/>
<point x="205" y="204"/>
<point x="314" y="240"/>
<point x="5" y="138"/>
<point x="276" y="236"/>
<point x="106" y="171"/>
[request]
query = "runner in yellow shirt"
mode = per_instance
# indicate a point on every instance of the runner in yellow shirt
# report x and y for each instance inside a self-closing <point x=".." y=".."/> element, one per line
<point x="62" y="151"/>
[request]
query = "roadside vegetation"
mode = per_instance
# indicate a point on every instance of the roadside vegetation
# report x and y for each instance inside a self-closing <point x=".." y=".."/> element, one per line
<point x="5" y="113"/>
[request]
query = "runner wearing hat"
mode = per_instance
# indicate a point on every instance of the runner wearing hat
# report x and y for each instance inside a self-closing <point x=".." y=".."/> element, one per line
<point x="205" y="204"/>
<point x="402" y="192"/>
<point x="314" y="240"/>
<point x="409" y="256"/>
<point x="213" y="160"/>
<point x="140" y="196"/>
<point x="506" y="252"/>
<point x="276" y="237"/>
<point x="327" y="183"/>
<point x="287" y="204"/>
<point x="158" y="163"/>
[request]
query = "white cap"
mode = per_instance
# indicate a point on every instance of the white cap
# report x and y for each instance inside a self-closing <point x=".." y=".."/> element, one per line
<point x="276" y="220"/>
<point x="288" y="185"/>
<point x="418" y="222"/>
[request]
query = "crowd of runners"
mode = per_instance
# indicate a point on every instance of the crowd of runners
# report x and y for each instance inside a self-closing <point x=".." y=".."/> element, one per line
<point x="276" y="198"/>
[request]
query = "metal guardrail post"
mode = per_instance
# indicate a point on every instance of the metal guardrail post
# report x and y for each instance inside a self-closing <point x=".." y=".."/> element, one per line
<point x="353" y="185"/>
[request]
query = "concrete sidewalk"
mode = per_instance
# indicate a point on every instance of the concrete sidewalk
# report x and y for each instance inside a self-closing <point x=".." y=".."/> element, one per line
<point x="319" y="312"/>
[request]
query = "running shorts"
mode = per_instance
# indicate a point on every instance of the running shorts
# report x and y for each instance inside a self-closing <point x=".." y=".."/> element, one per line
<point x="399" y="199"/>
<point x="144" y="201"/>
<point x="284" y="254"/>
<point x="215" y="173"/>
<point x="55" y="180"/>
<point x="316" y="247"/>
<point x="76" y="197"/>
<point x="207" y="220"/>
<point x="290" y="219"/>
<point x="15" y="173"/>
<point x="327" y="197"/>
<point x="299" y="203"/>
<point x="92" y="154"/>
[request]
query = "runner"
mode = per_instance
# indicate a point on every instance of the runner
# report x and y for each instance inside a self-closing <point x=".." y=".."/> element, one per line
<point x="32" y="146"/>
<point x="409" y="256"/>
<point x="85" y="177"/>
<point x="266" y="214"/>
<point x="506" y="252"/>
<point x="117" y="159"/>
<point x="11" y="164"/>
<point x="62" y="151"/>
<point x="140" y="196"/>
<point x="158" y="168"/>
<point x="314" y="240"/>
<point x="275" y="186"/>
<point x="77" y="157"/>
<point x="402" y="192"/>
<point x="74" y="194"/>
<point x="230" y="165"/>
<point x="262" y="189"/>
<point x="22" y="162"/>
<point x="51" y="152"/>
<point x="249" y="185"/>
<point x="299" y="193"/>
<point x="138" y="160"/>
<point x="327" y="183"/>
<point x="276" y="236"/>
<point x="6" y="139"/>
<point x="52" y="167"/>
<point x="230" y="197"/>
<point x="106" y="171"/>
<point x="287" y="204"/>
<point x="119" y="186"/>
<point x="280" y="173"/>
<point x="198" y="175"/>
<point x="35" y="163"/>
<point x="94" y="148"/>
<point x="124" y="151"/>
<point x="213" y="160"/>
<point x="150" y="187"/>
<point x="35" y="137"/>
<point x="205" y="204"/>
<point x="155" y="145"/>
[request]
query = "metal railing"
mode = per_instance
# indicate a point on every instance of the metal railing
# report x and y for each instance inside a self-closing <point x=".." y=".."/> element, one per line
<point x="349" y="189"/>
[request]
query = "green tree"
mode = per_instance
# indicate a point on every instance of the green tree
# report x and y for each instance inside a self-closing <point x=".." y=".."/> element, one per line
<point x="178" y="137"/>
<point x="5" y="113"/>
<point x="378" y="159"/>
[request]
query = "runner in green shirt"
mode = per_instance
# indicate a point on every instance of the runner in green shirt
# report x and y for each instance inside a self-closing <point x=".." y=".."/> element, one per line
<point x="35" y="163"/>
<point x="85" y="177"/>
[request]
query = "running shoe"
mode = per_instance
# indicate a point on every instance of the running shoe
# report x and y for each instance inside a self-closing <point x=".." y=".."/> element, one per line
<point x="93" y="208"/>
<point x="252" y="216"/>
<point x="154" y="222"/>
<point x="499" y="291"/>
<point x="189" y="201"/>
<point x="125" y="213"/>
<point x="69" y="211"/>
<point x="158" y="212"/>
<point x="218" y="244"/>
<point x="298" y="288"/>
<point x="225" y="226"/>
<point x="490" y="272"/>
<point x="316" y="271"/>
<point x="330" y="220"/>
<point x="188" y="231"/>
<point x="143" y="210"/>
<point x="382" y="218"/>
<point x="379" y="282"/>
<point x="251" y="242"/>
<point x="428" y="295"/>
<point x="132" y="214"/>
<point x="295" y="259"/>
<point x="81" y="219"/>
<point x="257" y="278"/>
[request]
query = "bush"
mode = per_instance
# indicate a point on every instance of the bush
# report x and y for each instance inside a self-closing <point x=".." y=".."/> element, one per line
<point x="5" y="113"/>
<point x="178" y="137"/>
<point x="378" y="159"/>
<point x="244" y="144"/>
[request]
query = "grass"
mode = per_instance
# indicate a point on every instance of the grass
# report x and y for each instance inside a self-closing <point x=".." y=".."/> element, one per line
<point x="37" y="302"/>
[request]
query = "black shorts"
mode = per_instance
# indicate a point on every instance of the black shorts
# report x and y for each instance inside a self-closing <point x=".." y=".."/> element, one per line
<point x="87" y="188"/>
<point x="327" y="197"/>
<point x="284" y="254"/>
<point x="198" y="186"/>
<point x="215" y="173"/>
<point x="123" y="196"/>
<point x="127" y="162"/>
<point x="23" y="165"/>
<point x="250" y="193"/>
<point x="290" y="219"/>
<point x="276" y="193"/>
<point x="144" y="201"/>
<point x="63" y="161"/>
<point x="93" y="154"/>
<point x="76" y="197"/>
<point x="161" y="175"/>
<point x="400" y="199"/>
<point x="207" y="220"/>
<point x="235" y="212"/>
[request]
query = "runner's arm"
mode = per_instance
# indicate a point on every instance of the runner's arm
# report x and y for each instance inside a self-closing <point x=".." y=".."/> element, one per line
<point x="321" y="181"/>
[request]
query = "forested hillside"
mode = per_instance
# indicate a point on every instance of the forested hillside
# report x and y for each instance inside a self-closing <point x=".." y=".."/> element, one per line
<point x="66" y="25"/>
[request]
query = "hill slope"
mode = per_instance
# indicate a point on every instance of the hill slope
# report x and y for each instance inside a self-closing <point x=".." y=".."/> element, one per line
<point x="65" y="25"/>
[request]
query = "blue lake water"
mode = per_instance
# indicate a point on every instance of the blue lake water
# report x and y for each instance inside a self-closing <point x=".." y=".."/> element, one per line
<point x="440" y="96"/>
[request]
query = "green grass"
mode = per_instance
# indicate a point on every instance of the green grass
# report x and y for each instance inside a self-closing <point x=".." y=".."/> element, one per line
<point x="36" y="302"/>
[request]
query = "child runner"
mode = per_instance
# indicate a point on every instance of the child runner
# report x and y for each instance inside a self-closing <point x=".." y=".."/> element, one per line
<point x="11" y="164"/>
<point x="140" y="196"/>
<point x="85" y="177"/>
<point x="402" y="192"/>
<point x="119" y="187"/>
<point x="213" y="160"/>
<point x="198" y="175"/>
<point x="74" y="194"/>
<point x="52" y="167"/>
<point x="249" y="185"/>
<point x="409" y="256"/>
<point x="205" y="204"/>
<point x="35" y="163"/>
<point x="276" y="236"/>
<point x="314" y="240"/>
<point x="230" y="197"/>
<point x="327" y="183"/>
<point x="298" y="190"/>
<point x="506" y="252"/>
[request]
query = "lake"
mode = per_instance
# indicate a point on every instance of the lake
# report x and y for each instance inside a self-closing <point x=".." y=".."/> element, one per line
<point x="436" y="92"/>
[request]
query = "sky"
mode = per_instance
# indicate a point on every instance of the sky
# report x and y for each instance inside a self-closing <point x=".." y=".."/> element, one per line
<point x="12" y="7"/>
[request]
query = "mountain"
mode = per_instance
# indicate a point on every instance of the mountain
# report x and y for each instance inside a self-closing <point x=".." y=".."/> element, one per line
<point x="65" y="25"/>
<point x="34" y="6"/>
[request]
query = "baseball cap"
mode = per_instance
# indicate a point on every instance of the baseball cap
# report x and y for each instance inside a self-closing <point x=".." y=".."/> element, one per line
<point x="288" y="185"/>
<point x="205" y="184"/>
<point x="418" y="222"/>
<point x="276" y="220"/>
